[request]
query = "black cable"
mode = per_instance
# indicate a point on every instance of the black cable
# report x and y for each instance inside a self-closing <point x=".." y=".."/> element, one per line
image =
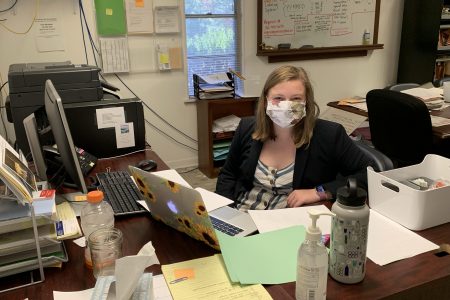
<point x="93" y="47"/>
<point x="188" y="171"/>
<point x="11" y="7"/>
<point x="163" y="133"/>
<point x="149" y="108"/>
<point x="82" y="34"/>
<point x="1" y="88"/>
<point x="2" y="106"/>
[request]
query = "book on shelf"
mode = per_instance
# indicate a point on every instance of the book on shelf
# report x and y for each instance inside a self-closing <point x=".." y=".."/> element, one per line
<point x="444" y="37"/>
<point x="442" y="68"/>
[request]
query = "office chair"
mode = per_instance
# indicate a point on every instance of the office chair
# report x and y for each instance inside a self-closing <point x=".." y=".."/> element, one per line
<point x="402" y="86"/>
<point x="400" y="126"/>
<point x="381" y="161"/>
<point x="441" y="81"/>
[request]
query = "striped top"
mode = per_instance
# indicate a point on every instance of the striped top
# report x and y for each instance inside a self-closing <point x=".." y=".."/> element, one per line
<point x="270" y="188"/>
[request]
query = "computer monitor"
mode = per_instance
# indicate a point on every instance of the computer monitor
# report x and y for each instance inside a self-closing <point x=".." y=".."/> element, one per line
<point x="61" y="133"/>
<point x="31" y="131"/>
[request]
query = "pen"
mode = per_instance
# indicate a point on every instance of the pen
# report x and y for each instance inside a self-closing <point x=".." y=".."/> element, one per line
<point x="178" y="280"/>
<point x="236" y="73"/>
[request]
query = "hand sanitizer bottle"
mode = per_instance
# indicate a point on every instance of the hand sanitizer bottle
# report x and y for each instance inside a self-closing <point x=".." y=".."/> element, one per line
<point x="312" y="262"/>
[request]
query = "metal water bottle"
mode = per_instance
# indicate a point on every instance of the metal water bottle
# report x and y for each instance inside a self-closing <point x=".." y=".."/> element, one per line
<point x="349" y="231"/>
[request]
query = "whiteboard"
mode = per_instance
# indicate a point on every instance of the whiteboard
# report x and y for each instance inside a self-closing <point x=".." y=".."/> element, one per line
<point x="317" y="23"/>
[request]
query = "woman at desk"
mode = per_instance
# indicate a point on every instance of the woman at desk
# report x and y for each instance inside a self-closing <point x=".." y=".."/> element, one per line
<point x="286" y="156"/>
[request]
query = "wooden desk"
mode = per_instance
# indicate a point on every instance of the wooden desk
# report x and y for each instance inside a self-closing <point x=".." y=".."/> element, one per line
<point x="425" y="276"/>
<point x="442" y="132"/>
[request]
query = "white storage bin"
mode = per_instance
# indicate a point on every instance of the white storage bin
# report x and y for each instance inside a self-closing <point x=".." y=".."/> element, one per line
<point x="410" y="207"/>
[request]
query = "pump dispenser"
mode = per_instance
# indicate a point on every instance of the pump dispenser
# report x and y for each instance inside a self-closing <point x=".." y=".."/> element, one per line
<point x="312" y="262"/>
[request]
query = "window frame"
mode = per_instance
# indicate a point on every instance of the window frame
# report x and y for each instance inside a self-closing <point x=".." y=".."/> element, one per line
<point x="238" y="43"/>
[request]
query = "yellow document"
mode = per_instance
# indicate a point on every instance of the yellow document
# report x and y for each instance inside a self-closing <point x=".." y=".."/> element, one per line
<point x="67" y="225"/>
<point x="207" y="278"/>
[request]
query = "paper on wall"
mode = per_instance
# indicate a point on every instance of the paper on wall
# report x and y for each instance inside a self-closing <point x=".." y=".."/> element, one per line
<point x="48" y="36"/>
<point x="139" y="16"/>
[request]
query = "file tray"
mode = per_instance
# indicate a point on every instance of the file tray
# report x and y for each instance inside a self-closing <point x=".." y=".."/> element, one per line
<point x="392" y="194"/>
<point x="32" y="263"/>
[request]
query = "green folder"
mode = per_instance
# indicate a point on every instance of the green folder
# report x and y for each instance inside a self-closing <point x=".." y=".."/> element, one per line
<point x="110" y="15"/>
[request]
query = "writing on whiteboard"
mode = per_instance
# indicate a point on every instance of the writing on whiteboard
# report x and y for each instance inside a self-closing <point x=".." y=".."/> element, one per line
<point x="320" y="23"/>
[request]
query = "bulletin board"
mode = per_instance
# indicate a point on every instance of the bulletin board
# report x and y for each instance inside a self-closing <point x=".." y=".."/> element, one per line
<point x="307" y="29"/>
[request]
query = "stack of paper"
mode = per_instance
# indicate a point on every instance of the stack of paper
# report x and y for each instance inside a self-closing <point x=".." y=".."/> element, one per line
<point x="206" y="278"/>
<point x="220" y="150"/>
<point x="227" y="123"/>
<point x="214" y="86"/>
<point x="433" y="97"/>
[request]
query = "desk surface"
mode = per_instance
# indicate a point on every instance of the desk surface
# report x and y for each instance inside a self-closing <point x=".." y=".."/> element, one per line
<point x="441" y="132"/>
<point x="424" y="276"/>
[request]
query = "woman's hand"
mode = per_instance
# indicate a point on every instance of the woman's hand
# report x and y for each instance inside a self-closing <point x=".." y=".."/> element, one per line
<point x="301" y="197"/>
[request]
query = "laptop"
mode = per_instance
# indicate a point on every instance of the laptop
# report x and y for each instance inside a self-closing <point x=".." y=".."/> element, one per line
<point x="183" y="208"/>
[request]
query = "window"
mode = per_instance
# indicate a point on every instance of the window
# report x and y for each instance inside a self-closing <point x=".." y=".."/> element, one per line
<point x="212" y="37"/>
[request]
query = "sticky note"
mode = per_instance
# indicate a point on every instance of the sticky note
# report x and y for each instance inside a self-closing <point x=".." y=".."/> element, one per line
<point x="189" y="273"/>
<point x="81" y="198"/>
<point x="109" y="12"/>
<point x="164" y="58"/>
<point x="139" y="3"/>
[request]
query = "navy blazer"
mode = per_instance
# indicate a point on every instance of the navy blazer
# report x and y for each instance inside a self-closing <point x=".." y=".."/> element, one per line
<point x="329" y="159"/>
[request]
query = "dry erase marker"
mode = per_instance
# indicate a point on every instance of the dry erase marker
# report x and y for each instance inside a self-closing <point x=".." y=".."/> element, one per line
<point x="178" y="280"/>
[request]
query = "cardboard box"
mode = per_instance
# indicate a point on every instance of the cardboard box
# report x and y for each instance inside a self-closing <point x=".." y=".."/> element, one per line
<point x="393" y="194"/>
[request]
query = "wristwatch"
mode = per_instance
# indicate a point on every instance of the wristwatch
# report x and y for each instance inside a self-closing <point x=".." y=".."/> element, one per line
<point x="323" y="195"/>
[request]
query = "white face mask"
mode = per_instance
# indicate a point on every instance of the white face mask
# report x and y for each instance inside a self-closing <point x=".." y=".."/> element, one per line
<point x="286" y="113"/>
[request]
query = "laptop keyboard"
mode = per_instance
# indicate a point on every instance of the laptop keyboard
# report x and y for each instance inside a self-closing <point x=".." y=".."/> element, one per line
<point x="121" y="192"/>
<point x="224" y="227"/>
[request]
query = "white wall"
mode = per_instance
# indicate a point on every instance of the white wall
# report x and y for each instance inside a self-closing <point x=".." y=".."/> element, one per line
<point x="166" y="92"/>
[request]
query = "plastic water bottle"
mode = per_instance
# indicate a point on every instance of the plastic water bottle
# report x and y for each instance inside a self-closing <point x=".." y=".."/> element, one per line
<point x="95" y="215"/>
<point x="312" y="263"/>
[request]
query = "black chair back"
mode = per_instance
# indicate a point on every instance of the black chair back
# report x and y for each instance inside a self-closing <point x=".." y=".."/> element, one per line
<point x="400" y="126"/>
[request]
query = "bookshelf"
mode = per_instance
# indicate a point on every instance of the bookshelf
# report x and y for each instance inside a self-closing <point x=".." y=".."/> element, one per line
<point x="424" y="51"/>
<point x="207" y="112"/>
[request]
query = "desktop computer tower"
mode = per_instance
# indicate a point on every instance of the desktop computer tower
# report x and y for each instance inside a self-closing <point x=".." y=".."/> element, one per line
<point x="92" y="126"/>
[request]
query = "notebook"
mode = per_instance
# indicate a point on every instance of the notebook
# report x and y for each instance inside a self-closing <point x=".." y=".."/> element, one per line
<point x="183" y="208"/>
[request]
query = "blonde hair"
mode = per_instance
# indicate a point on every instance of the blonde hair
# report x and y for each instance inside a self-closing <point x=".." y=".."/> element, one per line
<point x="302" y="132"/>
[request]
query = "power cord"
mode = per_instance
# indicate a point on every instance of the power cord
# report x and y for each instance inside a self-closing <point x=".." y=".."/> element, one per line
<point x="9" y="8"/>
<point x="1" y="107"/>
<point x="154" y="112"/>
